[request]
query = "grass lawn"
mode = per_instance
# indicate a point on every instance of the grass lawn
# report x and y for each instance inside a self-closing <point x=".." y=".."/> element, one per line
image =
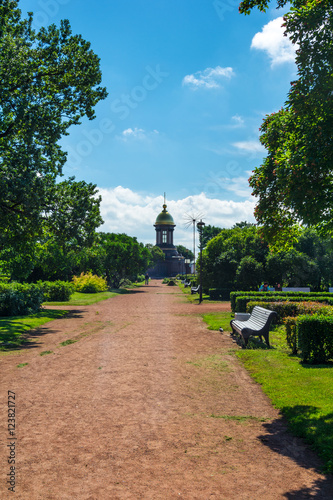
<point x="191" y="297"/>
<point x="85" y="299"/>
<point x="13" y="328"/>
<point x="303" y="393"/>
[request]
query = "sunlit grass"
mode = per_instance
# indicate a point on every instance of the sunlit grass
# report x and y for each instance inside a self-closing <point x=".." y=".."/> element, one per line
<point x="303" y="393"/>
<point x="13" y="328"/>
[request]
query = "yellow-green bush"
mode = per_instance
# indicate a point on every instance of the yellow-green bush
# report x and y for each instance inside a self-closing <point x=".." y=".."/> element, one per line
<point x="89" y="283"/>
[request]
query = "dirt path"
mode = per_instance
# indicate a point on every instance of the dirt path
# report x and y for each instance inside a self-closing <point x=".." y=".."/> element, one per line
<point x="145" y="405"/>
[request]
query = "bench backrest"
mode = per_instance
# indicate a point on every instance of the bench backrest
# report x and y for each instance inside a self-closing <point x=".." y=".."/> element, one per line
<point x="262" y="315"/>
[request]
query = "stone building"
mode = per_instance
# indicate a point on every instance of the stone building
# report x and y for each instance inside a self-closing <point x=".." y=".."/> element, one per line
<point x="174" y="263"/>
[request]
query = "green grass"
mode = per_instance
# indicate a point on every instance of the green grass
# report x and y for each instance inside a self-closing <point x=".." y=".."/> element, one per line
<point x="21" y="365"/>
<point x="303" y="393"/>
<point x="85" y="299"/>
<point x="191" y="297"/>
<point x="14" y="328"/>
<point x="68" y="342"/>
<point x="45" y="352"/>
<point x="217" y="320"/>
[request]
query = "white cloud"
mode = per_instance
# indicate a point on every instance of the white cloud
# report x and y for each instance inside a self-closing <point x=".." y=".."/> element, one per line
<point x="126" y="211"/>
<point x="209" y="78"/>
<point x="249" y="146"/>
<point x="136" y="133"/>
<point x="237" y="121"/>
<point x="271" y="40"/>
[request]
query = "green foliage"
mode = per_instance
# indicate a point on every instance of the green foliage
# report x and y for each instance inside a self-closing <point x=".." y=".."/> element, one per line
<point x="56" y="291"/>
<point x="119" y="257"/>
<point x="89" y="283"/>
<point x="185" y="252"/>
<point x="315" y="338"/>
<point x="13" y="329"/>
<point x="294" y="184"/>
<point x="249" y="273"/>
<point x="223" y="255"/>
<point x="20" y="299"/>
<point x="157" y="255"/>
<point x="219" y="293"/>
<point x="171" y="283"/>
<point x="49" y="81"/>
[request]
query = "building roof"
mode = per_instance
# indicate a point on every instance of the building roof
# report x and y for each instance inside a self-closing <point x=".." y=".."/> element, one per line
<point x="164" y="218"/>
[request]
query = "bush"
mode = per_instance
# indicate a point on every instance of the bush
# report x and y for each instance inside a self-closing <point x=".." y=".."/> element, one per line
<point x="56" y="291"/>
<point x="299" y="296"/>
<point x="315" y="338"/>
<point x="17" y="299"/>
<point x="293" y="309"/>
<point x="291" y="333"/>
<point x="89" y="283"/>
<point x="171" y="283"/>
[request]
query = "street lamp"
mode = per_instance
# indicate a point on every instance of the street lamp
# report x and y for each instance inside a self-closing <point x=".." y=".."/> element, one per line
<point x="200" y="227"/>
<point x="186" y="262"/>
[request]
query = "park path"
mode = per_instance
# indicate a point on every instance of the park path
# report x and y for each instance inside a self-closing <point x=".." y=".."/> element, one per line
<point x="146" y="404"/>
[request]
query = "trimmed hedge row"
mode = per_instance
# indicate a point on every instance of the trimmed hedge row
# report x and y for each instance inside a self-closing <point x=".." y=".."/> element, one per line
<point x="315" y="338"/>
<point x="17" y="299"/>
<point x="309" y="328"/>
<point x="219" y="293"/>
<point x="242" y="301"/>
<point x="276" y="295"/>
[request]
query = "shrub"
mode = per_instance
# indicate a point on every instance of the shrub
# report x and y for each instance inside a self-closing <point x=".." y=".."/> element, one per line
<point x="219" y="293"/>
<point x="171" y="283"/>
<point x="291" y="333"/>
<point x="315" y="338"/>
<point x="286" y="308"/>
<point x="89" y="283"/>
<point x="125" y="283"/>
<point x="17" y="299"/>
<point x="56" y="291"/>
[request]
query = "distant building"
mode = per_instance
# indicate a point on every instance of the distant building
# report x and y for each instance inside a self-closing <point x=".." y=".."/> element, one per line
<point x="174" y="263"/>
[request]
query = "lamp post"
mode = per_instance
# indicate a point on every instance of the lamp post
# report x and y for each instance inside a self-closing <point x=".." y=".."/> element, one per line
<point x="187" y="262"/>
<point x="200" y="227"/>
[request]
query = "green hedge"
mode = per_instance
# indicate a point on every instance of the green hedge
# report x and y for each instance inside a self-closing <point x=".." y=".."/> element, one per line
<point x="219" y="293"/>
<point x="56" y="291"/>
<point x="315" y="338"/>
<point x="277" y="295"/>
<point x="291" y="308"/>
<point x="17" y="299"/>
<point x="242" y="301"/>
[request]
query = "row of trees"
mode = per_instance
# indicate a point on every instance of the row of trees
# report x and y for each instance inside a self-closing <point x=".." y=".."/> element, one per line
<point x="49" y="80"/>
<point x="239" y="258"/>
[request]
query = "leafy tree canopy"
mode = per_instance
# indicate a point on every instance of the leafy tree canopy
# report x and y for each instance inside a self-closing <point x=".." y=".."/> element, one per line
<point x="294" y="185"/>
<point x="185" y="252"/>
<point x="48" y="80"/>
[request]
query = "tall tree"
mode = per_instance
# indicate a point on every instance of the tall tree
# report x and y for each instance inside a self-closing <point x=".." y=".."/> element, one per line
<point x="48" y="80"/>
<point x="295" y="183"/>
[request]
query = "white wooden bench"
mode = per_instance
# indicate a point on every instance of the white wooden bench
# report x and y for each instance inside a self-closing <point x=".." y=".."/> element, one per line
<point x="195" y="289"/>
<point x="258" y="324"/>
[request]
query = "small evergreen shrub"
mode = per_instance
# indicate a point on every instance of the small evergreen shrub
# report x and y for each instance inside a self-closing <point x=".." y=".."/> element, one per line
<point x="56" y="291"/>
<point x="171" y="283"/>
<point x="315" y="338"/>
<point x="89" y="283"/>
<point x="20" y="299"/>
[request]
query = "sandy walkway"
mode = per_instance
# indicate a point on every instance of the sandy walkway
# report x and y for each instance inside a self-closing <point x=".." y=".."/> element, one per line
<point x="145" y="405"/>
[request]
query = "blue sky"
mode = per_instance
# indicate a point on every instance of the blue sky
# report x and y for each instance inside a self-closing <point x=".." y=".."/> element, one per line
<point x="189" y="83"/>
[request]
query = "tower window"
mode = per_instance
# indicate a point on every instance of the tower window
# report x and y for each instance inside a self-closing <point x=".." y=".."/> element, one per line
<point x="164" y="236"/>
